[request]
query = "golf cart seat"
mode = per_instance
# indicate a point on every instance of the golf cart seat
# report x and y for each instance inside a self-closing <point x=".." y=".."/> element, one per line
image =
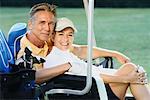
<point x="74" y="82"/>
<point x="14" y="35"/>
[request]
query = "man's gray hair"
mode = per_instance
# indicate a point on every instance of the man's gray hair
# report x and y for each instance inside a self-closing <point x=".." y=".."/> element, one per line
<point x="42" y="7"/>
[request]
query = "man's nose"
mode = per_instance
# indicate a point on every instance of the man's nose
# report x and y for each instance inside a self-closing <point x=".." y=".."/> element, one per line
<point x="47" y="27"/>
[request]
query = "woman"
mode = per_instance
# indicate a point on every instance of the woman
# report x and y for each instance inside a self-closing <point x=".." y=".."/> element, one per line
<point x="119" y="81"/>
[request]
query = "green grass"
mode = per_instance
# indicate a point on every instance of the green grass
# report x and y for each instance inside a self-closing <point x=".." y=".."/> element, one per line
<point x="124" y="30"/>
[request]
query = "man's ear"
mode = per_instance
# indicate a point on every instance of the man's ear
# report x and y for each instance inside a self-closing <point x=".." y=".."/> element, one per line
<point x="29" y="24"/>
<point x="53" y="36"/>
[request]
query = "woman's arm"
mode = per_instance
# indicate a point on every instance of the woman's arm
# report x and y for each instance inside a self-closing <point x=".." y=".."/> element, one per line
<point x="81" y="52"/>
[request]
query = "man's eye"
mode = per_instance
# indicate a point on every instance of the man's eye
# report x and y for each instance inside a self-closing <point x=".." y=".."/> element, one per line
<point x="42" y="22"/>
<point x="71" y="35"/>
<point x="52" y="23"/>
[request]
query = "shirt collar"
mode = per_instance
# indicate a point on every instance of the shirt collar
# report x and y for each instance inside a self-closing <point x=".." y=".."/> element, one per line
<point x="36" y="49"/>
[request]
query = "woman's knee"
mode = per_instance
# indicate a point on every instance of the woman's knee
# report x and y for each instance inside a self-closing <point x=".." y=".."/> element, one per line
<point x="129" y="66"/>
<point x="126" y="68"/>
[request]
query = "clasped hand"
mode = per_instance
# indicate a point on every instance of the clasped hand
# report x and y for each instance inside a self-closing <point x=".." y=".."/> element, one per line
<point x="138" y="77"/>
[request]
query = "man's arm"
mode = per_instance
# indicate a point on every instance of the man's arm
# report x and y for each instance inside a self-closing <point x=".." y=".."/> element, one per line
<point x="81" y="52"/>
<point x="49" y="73"/>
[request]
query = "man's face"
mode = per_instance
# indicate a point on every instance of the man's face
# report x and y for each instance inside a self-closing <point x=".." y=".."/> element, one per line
<point x="64" y="39"/>
<point x="42" y="25"/>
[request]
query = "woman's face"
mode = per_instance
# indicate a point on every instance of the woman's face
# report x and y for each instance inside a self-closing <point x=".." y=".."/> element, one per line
<point x="64" y="39"/>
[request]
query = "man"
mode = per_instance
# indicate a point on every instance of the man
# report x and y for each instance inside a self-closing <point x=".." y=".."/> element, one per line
<point x="41" y="24"/>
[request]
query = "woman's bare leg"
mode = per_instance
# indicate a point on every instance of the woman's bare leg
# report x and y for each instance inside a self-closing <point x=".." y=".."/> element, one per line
<point x="139" y="91"/>
<point x="120" y="88"/>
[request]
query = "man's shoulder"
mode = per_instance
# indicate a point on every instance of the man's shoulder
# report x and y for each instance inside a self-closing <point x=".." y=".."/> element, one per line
<point x="24" y="38"/>
<point x="25" y="41"/>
